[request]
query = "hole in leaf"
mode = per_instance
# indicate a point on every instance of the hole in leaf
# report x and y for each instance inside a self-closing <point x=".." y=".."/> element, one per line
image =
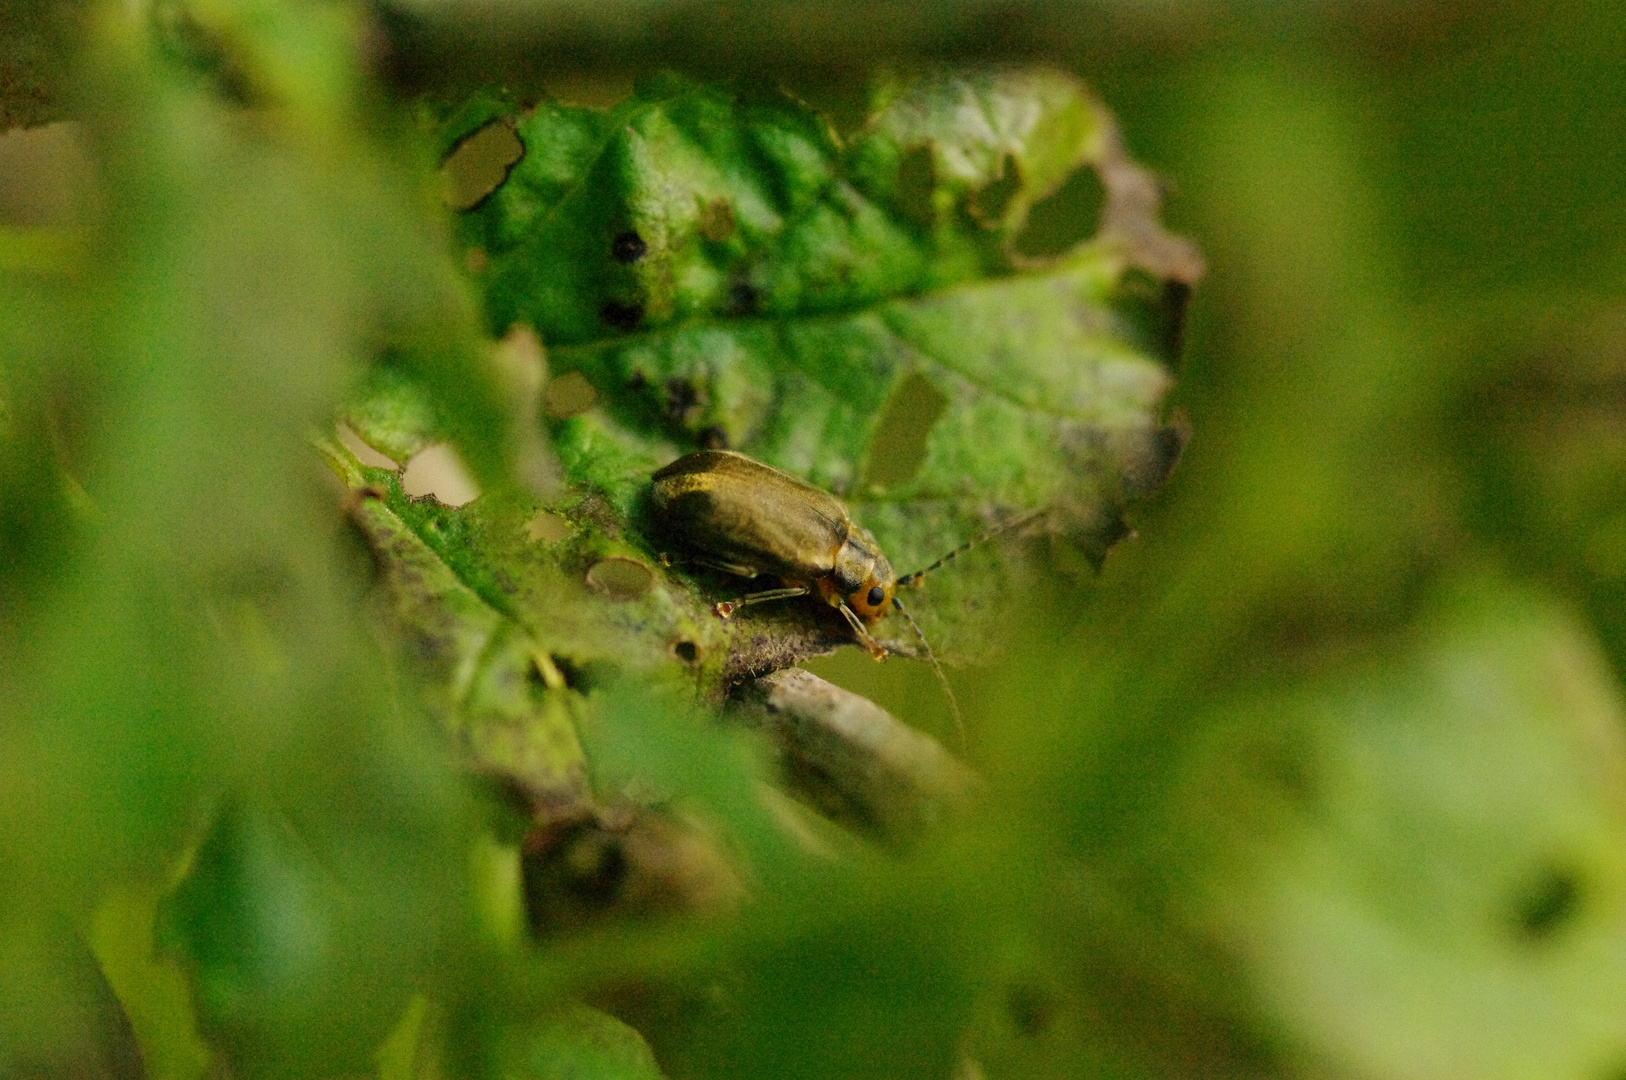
<point x="1149" y="459"/>
<point x="620" y="579"/>
<point x="364" y="453"/>
<point x="598" y="870"/>
<point x="686" y="651"/>
<point x="568" y="395"/>
<point x="536" y="680"/>
<point x="438" y="471"/>
<point x="569" y="877"/>
<point x="898" y="449"/>
<point x="545" y="669"/>
<point x="988" y="206"/>
<point x="917" y="185"/>
<point x="568" y="670"/>
<point x="1065" y="218"/>
<point x="1153" y="313"/>
<point x="479" y="164"/>
<point x="1547" y="904"/>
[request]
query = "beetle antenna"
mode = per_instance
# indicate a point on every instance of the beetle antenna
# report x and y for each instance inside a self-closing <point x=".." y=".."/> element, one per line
<point x="1005" y="526"/>
<point x="942" y="680"/>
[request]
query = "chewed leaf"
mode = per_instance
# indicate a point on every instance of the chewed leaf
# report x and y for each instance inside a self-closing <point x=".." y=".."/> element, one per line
<point x="992" y="142"/>
<point x="687" y="203"/>
<point x="708" y="268"/>
<point x="1043" y="404"/>
<point x="722" y="272"/>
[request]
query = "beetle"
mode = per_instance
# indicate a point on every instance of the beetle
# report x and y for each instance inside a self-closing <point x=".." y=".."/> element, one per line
<point x="735" y="514"/>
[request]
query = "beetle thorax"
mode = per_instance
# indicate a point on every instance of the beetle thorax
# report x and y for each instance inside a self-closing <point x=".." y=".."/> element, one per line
<point x="859" y="562"/>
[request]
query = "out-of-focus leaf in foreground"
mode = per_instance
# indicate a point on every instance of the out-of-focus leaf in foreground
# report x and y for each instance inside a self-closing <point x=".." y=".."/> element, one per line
<point x="572" y="1041"/>
<point x="181" y="611"/>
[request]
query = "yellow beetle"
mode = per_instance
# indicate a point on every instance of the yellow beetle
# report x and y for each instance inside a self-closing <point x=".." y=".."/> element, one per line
<point x="745" y="518"/>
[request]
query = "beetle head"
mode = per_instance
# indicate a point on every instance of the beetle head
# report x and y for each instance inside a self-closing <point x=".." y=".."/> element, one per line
<point x="862" y="576"/>
<point x="871" y="600"/>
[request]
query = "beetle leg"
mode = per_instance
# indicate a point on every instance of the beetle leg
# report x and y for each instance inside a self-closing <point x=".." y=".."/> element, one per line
<point x="876" y="649"/>
<point x="732" y="569"/>
<point x="725" y="608"/>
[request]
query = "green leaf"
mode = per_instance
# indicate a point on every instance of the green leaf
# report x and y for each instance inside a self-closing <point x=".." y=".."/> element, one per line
<point x="303" y="950"/>
<point x="573" y="1041"/>
<point x="722" y="270"/>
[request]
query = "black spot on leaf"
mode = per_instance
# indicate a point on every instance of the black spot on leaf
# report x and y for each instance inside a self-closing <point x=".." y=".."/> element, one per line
<point x="628" y="247"/>
<point x="742" y="300"/>
<point x="621" y="316"/>
<point x="682" y="399"/>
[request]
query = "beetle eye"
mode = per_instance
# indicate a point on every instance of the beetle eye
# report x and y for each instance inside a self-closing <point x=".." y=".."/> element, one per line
<point x="876" y="596"/>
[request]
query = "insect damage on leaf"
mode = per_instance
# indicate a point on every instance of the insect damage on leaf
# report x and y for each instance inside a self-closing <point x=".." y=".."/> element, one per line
<point x="719" y="270"/>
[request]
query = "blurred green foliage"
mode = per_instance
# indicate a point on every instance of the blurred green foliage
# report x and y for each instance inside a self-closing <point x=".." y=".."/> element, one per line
<point x="1322" y="773"/>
